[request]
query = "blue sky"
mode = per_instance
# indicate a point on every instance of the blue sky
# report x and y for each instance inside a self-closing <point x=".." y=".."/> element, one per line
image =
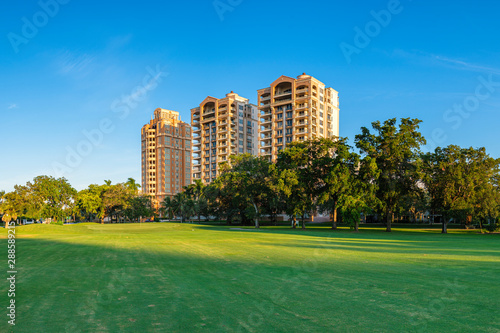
<point x="73" y="70"/>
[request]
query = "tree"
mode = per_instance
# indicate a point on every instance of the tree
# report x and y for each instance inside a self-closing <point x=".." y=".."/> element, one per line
<point x="115" y="199"/>
<point x="89" y="202"/>
<point x="310" y="162"/>
<point x="51" y="197"/>
<point x="9" y="207"/>
<point x="138" y="206"/>
<point x="132" y="185"/>
<point x="182" y="206"/>
<point x="246" y="178"/>
<point x="462" y="182"/>
<point x="396" y="152"/>
<point x="195" y="192"/>
<point x="168" y="207"/>
<point x="360" y="198"/>
<point x="340" y="171"/>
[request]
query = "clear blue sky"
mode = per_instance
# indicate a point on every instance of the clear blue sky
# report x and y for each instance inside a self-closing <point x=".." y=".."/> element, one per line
<point x="70" y="73"/>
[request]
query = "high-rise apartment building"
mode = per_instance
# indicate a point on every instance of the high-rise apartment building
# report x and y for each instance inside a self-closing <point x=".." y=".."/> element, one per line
<point x="166" y="155"/>
<point x="222" y="127"/>
<point x="295" y="110"/>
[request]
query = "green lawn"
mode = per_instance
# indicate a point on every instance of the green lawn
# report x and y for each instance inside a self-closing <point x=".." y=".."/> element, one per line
<point x="188" y="278"/>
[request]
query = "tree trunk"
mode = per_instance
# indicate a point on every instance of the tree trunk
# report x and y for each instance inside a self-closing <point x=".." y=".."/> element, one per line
<point x="390" y="216"/>
<point x="356" y="226"/>
<point x="444" y="229"/>
<point x="333" y="217"/>
<point x="303" y="222"/>
<point x="256" y="215"/>
<point x="294" y="223"/>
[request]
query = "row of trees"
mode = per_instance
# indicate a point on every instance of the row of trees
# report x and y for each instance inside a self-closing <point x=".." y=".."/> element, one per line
<point x="48" y="197"/>
<point x="389" y="177"/>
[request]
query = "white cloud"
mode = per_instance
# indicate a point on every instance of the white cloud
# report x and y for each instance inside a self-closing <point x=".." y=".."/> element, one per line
<point x="12" y="106"/>
<point x="435" y="59"/>
<point x="70" y="63"/>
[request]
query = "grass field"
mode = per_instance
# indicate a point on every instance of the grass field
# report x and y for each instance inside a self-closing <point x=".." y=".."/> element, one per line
<point x="193" y="278"/>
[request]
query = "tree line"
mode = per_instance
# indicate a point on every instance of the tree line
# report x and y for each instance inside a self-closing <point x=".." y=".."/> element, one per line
<point x="54" y="198"/>
<point x="387" y="177"/>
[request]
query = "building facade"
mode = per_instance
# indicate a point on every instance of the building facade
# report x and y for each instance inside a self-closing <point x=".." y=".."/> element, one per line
<point x="295" y="110"/>
<point x="222" y="127"/>
<point x="166" y="155"/>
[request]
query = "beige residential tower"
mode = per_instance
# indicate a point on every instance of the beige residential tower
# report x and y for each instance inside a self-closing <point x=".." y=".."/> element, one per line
<point x="222" y="127"/>
<point x="296" y="110"/>
<point x="166" y="155"/>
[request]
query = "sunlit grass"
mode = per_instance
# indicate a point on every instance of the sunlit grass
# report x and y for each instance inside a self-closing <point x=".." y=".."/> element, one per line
<point x="188" y="277"/>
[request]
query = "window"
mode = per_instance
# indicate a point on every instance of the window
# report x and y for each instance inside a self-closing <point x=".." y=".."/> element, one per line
<point x="241" y="121"/>
<point x="249" y="123"/>
<point x="280" y="140"/>
<point x="280" y="132"/>
<point x="241" y="107"/>
<point x="288" y="123"/>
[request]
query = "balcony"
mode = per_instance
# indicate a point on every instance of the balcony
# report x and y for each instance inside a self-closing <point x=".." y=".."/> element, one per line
<point x="208" y="112"/>
<point x="281" y="101"/>
<point x="266" y="151"/>
<point x="302" y="106"/>
<point x="302" y="97"/>
<point x="266" y="144"/>
<point x="265" y="98"/>
<point x="283" y="93"/>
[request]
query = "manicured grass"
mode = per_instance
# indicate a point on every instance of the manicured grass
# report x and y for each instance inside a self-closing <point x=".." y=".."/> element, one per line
<point x="188" y="278"/>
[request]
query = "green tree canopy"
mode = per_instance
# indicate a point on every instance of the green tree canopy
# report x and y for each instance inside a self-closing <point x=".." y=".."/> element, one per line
<point x="396" y="151"/>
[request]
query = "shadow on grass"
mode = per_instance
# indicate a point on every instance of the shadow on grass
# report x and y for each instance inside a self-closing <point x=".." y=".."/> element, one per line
<point x="154" y="279"/>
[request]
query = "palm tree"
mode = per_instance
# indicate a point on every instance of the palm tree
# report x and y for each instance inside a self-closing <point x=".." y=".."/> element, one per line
<point x="183" y="205"/>
<point x="195" y="193"/>
<point x="132" y="185"/>
<point x="167" y="207"/>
